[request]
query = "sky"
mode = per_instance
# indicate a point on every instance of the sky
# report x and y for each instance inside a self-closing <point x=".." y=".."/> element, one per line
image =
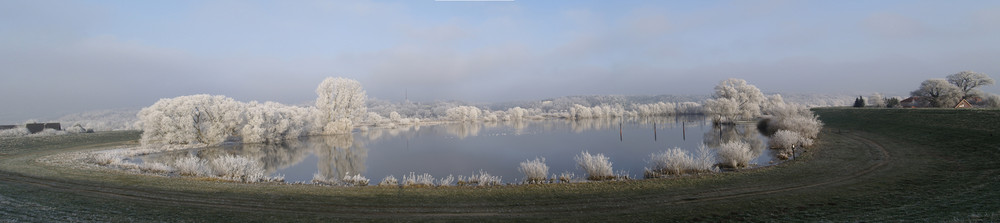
<point x="64" y="57"/>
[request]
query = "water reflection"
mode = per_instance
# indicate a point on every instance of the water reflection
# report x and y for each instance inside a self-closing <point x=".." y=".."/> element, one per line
<point x="720" y="134"/>
<point x="462" y="130"/>
<point x="337" y="155"/>
<point x="464" y="148"/>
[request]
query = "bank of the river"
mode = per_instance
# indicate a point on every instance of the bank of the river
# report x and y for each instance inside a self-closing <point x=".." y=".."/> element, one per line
<point x="869" y="164"/>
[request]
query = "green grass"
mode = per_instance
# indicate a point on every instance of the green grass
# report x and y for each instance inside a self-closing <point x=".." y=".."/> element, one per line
<point x="941" y="165"/>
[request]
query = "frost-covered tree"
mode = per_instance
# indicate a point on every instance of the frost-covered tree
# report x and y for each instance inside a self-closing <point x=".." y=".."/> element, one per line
<point x="794" y="117"/>
<point x="464" y="113"/>
<point x="877" y="100"/>
<point x="688" y="108"/>
<point x="734" y="99"/>
<point x="516" y="113"/>
<point x="200" y="118"/>
<point x="940" y="92"/>
<point x="341" y="102"/>
<point x="967" y="81"/>
<point x="272" y="122"/>
<point x="993" y="101"/>
<point x="723" y="108"/>
<point x="655" y="109"/>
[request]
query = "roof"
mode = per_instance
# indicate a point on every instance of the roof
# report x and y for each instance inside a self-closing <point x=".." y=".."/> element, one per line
<point x="910" y="99"/>
<point x="963" y="104"/>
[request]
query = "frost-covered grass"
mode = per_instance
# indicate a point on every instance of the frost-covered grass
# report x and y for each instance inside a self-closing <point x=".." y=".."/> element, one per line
<point x="105" y="158"/>
<point x="597" y="166"/>
<point x="676" y="161"/>
<point x="735" y="154"/>
<point x="534" y="171"/>
<point x="158" y="168"/>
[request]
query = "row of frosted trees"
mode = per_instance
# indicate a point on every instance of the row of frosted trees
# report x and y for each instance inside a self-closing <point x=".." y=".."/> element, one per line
<point x="212" y="119"/>
<point x="341" y="105"/>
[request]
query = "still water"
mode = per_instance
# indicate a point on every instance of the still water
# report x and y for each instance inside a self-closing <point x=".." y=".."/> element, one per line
<point x="494" y="147"/>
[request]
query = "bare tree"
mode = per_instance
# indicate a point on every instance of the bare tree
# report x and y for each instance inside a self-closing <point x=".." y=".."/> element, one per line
<point x="940" y="92"/>
<point x="969" y="80"/>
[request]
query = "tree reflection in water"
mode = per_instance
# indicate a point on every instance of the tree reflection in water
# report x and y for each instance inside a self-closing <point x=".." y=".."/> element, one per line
<point x="720" y="134"/>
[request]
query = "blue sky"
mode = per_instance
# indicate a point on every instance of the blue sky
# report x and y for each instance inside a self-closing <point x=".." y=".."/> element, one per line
<point x="93" y="55"/>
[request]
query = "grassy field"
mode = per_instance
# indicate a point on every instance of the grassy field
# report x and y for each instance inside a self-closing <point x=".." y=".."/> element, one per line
<point x="869" y="165"/>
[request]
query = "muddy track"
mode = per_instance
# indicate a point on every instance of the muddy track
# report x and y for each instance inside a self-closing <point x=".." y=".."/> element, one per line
<point x="601" y="205"/>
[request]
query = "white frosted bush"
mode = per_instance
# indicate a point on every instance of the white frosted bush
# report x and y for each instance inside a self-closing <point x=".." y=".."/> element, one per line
<point x="481" y="179"/>
<point x="389" y="181"/>
<point x="534" y="171"/>
<point x="566" y="177"/>
<point x="446" y="181"/>
<point x="705" y="160"/>
<point x="735" y="154"/>
<point x="356" y="180"/>
<point x="672" y="161"/>
<point x="238" y="168"/>
<point x="15" y="132"/>
<point x="785" y="139"/>
<point x="597" y="166"/>
<point x="418" y="180"/>
<point x="319" y="178"/>
<point x="191" y="166"/>
<point x="795" y="118"/>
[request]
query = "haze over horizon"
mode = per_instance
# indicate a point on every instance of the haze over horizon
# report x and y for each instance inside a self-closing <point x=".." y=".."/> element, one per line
<point x="62" y="57"/>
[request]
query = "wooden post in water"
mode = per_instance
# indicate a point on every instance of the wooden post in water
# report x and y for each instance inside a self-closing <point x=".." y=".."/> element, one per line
<point x="620" y="137"/>
<point x="684" y="132"/>
<point x="654" y="131"/>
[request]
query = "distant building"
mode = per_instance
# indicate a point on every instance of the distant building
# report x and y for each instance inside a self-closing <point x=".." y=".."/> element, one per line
<point x="963" y="104"/>
<point x="54" y="125"/>
<point x="38" y="127"/>
<point x="923" y="102"/>
<point x="914" y="102"/>
<point x="5" y="127"/>
<point x="35" y="127"/>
